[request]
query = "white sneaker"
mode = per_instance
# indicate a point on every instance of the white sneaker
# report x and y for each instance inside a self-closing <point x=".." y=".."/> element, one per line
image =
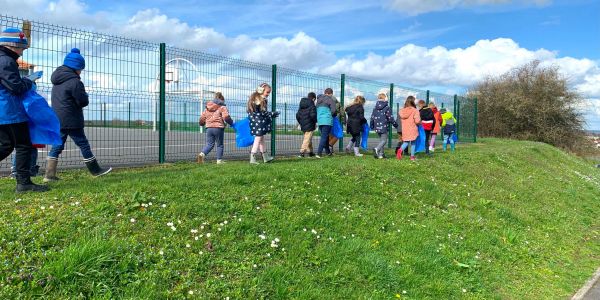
<point x="317" y="156"/>
<point x="220" y="161"/>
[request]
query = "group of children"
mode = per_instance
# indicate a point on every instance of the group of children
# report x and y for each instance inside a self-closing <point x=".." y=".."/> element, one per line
<point x="321" y="112"/>
<point x="68" y="100"/>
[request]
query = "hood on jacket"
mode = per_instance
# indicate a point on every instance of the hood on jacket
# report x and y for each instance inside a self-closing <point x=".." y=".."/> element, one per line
<point x="325" y="98"/>
<point x="306" y="103"/>
<point x="63" y="74"/>
<point x="406" y="112"/>
<point x="214" y="105"/>
<point x="9" y="53"/>
<point x="381" y="105"/>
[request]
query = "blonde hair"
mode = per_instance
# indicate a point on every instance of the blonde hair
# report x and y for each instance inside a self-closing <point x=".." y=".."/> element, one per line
<point x="358" y="100"/>
<point x="432" y="104"/>
<point x="256" y="97"/>
<point x="382" y="96"/>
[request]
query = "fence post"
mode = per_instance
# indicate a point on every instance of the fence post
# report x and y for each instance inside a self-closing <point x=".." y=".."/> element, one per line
<point x="162" y="98"/>
<point x="454" y="105"/>
<point x="273" y="108"/>
<point x="475" y="121"/>
<point x="185" y="123"/>
<point x="104" y="114"/>
<point x="285" y="117"/>
<point x="458" y="119"/>
<point x="128" y="114"/>
<point x="427" y="98"/>
<point x="342" y="95"/>
<point x="392" y="109"/>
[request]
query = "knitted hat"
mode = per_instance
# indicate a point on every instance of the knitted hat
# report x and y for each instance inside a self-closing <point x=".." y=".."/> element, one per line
<point x="13" y="37"/>
<point x="74" y="60"/>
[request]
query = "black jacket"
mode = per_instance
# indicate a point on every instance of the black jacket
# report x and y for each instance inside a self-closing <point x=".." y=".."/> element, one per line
<point x="307" y="115"/>
<point x="427" y="118"/>
<point x="356" y="119"/>
<point x="68" y="98"/>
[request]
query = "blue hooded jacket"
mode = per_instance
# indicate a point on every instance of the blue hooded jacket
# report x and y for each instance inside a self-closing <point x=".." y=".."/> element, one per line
<point x="12" y="87"/>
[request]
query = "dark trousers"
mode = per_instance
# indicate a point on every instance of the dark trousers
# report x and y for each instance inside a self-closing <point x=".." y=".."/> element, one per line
<point x="16" y="137"/>
<point x="427" y="140"/>
<point x="78" y="136"/>
<point x="214" y="136"/>
<point x="34" y="168"/>
<point x="324" y="141"/>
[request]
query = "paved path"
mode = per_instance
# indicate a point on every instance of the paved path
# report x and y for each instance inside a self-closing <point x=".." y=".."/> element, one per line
<point x="131" y="147"/>
<point x="591" y="290"/>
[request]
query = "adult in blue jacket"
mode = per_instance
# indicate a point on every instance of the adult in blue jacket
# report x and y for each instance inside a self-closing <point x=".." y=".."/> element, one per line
<point x="14" y="131"/>
<point x="68" y="100"/>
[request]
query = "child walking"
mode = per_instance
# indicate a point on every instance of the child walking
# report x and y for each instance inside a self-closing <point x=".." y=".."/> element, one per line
<point x="326" y="111"/>
<point x="260" y="121"/>
<point x="428" y="121"/>
<point x="354" y="123"/>
<point x="381" y="118"/>
<point x="410" y="118"/>
<point x="214" y="117"/>
<point x="68" y="100"/>
<point x="307" y="118"/>
<point x="448" y="128"/>
<point x="436" y="127"/>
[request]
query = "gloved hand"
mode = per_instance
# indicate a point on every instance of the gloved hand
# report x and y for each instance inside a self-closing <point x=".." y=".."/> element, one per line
<point x="35" y="75"/>
<point x="275" y="114"/>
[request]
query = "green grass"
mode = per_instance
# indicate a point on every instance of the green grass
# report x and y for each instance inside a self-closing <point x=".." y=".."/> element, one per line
<point x="495" y="220"/>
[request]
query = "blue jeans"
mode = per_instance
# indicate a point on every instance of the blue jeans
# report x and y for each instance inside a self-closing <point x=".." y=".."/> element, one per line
<point x="448" y="138"/>
<point x="324" y="141"/>
<point x="214" y="135"/>
<point x="78" y="136"/>
<point x="412" y="147"/>
<point x="33" y="168"/>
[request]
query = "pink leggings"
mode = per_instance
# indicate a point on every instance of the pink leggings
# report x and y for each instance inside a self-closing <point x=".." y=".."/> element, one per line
<point x="259" y="144"/>
<point x="432" y="142"/>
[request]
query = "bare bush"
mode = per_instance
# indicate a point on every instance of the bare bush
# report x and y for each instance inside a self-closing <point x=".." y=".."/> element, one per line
<point x="531" y="102"/>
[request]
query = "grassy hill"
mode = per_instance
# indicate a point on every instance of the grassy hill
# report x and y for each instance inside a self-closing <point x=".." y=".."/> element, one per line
<point x="500" y="219"/>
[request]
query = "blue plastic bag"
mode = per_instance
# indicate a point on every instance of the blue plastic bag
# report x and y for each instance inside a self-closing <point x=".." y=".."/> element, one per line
<point x="243" y="137"/>
<point x="337" y="129"/>
<point x="420" y="142"/>
<point x="364" y="141"/>
<point x="44" y="126"/>
<point x="455" y="137"/>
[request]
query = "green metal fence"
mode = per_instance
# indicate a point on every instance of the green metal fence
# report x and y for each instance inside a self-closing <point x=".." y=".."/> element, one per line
<point x="146" y="98"/>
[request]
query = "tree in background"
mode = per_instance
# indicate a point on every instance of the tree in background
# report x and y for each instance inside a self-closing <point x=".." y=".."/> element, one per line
<point x="531" y="102"/>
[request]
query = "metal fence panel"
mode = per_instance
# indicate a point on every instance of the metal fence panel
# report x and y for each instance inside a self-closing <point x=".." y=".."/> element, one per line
<point x="123" y="79"/>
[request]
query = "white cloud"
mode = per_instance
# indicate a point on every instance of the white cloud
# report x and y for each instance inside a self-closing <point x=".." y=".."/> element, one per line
<point x="301" y="51"/>
<point x="417" y="7"/>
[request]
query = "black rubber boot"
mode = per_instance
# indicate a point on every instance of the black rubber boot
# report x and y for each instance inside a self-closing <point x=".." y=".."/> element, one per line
<point x="95" y="169"/>
<point x="25" y="185"/>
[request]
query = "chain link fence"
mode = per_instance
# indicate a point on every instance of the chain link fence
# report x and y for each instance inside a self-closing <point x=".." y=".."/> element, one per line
<point x="146" y="98"/>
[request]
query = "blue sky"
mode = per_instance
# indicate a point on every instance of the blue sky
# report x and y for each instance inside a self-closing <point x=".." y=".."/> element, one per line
<point x="356" y="27"/>
<point x="444" y="45"/>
